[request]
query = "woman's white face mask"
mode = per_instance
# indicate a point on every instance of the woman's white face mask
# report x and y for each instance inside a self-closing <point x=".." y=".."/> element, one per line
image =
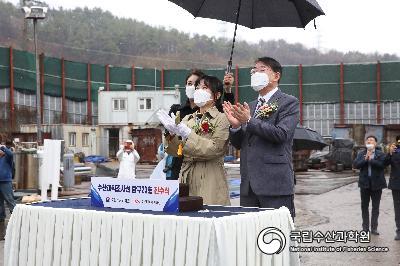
<point x="201" y="97"/>
<point x="259" y="80"/>
<point x="190" y="91"/>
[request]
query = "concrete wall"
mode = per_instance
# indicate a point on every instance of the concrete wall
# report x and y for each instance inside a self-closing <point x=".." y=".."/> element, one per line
<point x="132" y="113"/>
<point x="62" y="131"/>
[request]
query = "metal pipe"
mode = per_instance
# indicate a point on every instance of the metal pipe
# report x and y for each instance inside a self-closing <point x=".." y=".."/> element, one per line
<point x="155" y="79"/>
<point x="63" y="104"/>
<point x="378" y="93"/>
<point x="107" y="77"/>
<point x="89" y="95"/>
<point x="236" y="84"/>
<point x="342" y="94"/>
<point x="229" y="68"/>
<point x="301" y="92"/>
<point x="41" y="74"/>
<point x="12" y="106"/>
<point x="162" y="78"/>
<point x="38" y="111"/>
<point x="133" y="78"/>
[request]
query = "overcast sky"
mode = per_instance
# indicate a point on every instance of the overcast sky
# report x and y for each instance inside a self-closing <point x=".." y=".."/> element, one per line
<point x="349" y="25"/>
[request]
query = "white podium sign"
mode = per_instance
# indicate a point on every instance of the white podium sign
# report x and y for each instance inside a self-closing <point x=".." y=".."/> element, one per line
<point x="141" y="194"/>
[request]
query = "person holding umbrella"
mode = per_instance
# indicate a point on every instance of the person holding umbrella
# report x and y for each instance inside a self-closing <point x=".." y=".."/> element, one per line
<point x="189" y="107"/>
<point x="263" y="131"/>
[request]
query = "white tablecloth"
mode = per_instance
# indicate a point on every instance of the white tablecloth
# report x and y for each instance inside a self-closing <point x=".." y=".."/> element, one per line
<point x="39" y="235"/>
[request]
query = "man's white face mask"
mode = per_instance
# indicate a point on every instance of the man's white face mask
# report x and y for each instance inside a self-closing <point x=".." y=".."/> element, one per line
<point x="369" y="146"/>
<point x="190" y="91"/>
<point x="201" y="97"/>
<point x="259" y="80"/>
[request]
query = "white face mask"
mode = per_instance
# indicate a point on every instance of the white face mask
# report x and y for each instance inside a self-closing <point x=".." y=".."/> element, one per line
<point x="190" y="91"/>
<point x="259" y="80"/>
<point x="201" y="97"/>
<point x="369" y="146"/>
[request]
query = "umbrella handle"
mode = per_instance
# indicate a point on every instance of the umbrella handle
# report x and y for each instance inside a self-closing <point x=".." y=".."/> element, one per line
<point x="229" y="67"/>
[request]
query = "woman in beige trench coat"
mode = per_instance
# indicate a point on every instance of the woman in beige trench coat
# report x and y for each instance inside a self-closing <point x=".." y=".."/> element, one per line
<point x="204" y="138"/>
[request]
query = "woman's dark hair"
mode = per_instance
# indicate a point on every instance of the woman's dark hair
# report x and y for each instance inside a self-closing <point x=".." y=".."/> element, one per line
<point x="196" y="72"/>
<point x="215" y="85"/>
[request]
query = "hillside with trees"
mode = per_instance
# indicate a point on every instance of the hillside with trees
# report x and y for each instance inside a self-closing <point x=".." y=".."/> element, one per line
<point x="97" y="36"/>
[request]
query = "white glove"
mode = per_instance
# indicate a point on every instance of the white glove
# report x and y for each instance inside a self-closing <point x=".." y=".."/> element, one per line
<point x="183" y="130"/>
<point x="167" y="121"/>
<point x="121" y="147"/>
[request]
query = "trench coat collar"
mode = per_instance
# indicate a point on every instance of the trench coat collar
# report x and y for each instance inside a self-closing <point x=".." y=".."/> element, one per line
<point x="212" y="112"/>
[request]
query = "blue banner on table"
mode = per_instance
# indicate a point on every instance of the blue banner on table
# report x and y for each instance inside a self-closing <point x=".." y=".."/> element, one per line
<point x="141" y="194"/>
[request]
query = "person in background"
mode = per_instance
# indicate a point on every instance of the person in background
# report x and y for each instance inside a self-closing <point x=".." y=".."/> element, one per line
<point x="189" y="107"/>
<point x="371" y="163"/>
<point x="128" y="157"/>
<point x="204" y="137"/>
<point x="6" y="189"/>
<point x="393" y="159"/>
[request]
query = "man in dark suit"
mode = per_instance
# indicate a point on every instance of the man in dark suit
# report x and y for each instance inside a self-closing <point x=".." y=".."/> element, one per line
<point x="263" y="131"/>
<point x="393" y="159"/>
<point x="371" y="163"/>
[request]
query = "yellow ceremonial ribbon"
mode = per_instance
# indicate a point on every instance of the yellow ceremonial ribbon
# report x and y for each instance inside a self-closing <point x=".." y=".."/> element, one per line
<point x="180" y="149"/>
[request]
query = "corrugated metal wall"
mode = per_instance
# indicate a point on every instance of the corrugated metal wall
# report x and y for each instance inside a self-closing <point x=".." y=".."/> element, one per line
<point x="351" y="93"/>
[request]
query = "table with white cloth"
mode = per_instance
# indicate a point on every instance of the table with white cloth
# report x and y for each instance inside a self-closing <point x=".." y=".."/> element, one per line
<point x="72" y="232"/>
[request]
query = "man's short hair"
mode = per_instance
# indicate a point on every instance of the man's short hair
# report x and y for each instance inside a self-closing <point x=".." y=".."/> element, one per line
<point x="397" y="138"/>
<point x="372" y="136"/>
<point x="272" y="63"/>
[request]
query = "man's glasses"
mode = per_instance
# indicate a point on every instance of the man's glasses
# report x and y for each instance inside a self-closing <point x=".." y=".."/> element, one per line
<point x="259" y="69"/>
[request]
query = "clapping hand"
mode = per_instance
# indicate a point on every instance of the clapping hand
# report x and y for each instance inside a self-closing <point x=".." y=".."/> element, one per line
<point x="241" y="112"/>
<point x="167" y="121"/>
<point x="368" y="155"/>
<point x="228" y="111"/>
<point x="183" y="130"/>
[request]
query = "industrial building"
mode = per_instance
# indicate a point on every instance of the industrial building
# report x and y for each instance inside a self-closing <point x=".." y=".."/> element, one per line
<point x="331" y="96"/>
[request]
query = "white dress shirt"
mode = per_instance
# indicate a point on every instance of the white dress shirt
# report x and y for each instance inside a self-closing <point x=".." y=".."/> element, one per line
<point x="268" y="95"/>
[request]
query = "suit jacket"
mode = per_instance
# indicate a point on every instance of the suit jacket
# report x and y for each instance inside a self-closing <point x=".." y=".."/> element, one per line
<point x="394" y="162"/>
<point x="266" y="148"/>
<point x="377" y="179"/>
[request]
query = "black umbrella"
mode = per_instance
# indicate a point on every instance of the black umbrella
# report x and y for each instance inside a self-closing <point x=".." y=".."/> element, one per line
<point x="307" y="139"/>
<point x="254" y="13"/>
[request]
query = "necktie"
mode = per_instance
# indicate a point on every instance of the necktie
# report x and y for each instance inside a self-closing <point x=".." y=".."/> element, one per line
<point x="260" y="103"/>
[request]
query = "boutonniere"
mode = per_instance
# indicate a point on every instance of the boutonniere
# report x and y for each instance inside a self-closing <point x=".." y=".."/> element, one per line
<point x="266" y="110"/>
<point x="203" y="126"/>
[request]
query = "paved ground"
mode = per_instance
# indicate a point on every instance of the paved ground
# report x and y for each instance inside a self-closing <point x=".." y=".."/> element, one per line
<point x="325" y="201"/>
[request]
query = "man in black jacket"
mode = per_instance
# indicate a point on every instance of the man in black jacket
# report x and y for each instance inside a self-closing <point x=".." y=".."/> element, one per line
<point x="393" y="159"/>
<point x="371" y="163"/>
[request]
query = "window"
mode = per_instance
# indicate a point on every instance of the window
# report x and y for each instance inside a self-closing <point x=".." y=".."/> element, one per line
<point x="85" y="139"/>
<point x="72" y="139"/>
<point x="145" y="103"/>
<point x="119" y="104"/>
